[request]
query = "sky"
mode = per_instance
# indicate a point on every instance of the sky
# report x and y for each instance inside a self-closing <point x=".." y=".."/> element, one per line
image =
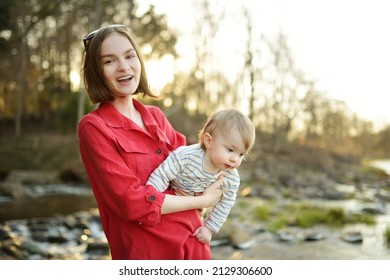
<point x="344" y="46"/>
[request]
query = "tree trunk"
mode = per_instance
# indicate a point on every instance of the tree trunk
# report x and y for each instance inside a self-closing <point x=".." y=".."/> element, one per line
<point x="97" y="22"/>
<point x="21" y="88"/>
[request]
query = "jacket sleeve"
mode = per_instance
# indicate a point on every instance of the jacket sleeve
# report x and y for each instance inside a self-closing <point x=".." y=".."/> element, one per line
<point x="116" y="187"/>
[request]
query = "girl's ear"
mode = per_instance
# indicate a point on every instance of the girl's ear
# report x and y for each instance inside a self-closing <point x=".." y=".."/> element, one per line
<point x="208" y="139"/>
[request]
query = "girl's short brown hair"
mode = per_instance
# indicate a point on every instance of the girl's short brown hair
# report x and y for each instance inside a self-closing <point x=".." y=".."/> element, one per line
<point x="225" y="120"/>
<point x="93" y="75"/>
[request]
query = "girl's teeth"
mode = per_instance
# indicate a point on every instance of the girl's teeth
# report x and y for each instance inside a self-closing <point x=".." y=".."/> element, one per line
<point x="124" y="78"/>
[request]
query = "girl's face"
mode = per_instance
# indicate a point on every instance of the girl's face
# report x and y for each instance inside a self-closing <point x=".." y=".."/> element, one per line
<point x="225" y="151"/>
<point x="121" y="65"/>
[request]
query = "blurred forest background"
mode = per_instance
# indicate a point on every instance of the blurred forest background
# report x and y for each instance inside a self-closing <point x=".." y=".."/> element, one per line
<point x="307" y="144"/>
<point x="41" y="93"/>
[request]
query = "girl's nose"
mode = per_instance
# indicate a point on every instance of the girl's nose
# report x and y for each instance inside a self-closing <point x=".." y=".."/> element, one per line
<point x="123" y="65"/>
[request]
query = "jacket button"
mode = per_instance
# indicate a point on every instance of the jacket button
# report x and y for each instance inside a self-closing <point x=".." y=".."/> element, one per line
<point x="151" y="198"/>
<point x="158" y="151"/>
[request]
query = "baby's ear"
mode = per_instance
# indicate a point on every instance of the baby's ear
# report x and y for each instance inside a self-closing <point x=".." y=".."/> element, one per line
<point x="207" y="140"/>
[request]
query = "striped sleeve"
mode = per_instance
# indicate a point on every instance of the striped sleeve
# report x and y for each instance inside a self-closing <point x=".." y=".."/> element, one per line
<point x="166" y="172"/>
<point x="221" y="210"/>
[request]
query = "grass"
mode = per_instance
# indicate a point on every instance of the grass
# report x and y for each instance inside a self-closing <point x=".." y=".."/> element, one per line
<point x="305" y="215"/>
<point x="38" y="151"/>
<point x="386" y="235"/>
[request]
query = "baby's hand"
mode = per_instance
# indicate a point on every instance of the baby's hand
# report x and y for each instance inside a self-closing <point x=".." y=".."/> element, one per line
<point x="203" y="234"/>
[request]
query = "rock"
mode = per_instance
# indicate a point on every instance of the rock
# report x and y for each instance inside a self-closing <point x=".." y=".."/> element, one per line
<point x="16" y="182"/>
<point x="33" y="177"/>
<point x="74" y="172"/>
<point x="219" y="242"/>
<point x="355" y="237"/>
<point x="314" y="236"/>
<point x="384" y="195"/>
<point x="289" y="235"/>
<point x="5" y="233"/>
<point x="98" y="247"/>
<point x="286" y="236"/>
<point x="336" y="195"/>
<point x="234" y="234"/>
<point x="13" y="250"/>
<point x="77" y="236"/>
<point x="374" y="208"/>
<point x="242" y="240"/>
<point x="270" y="193"/>
<point x="14" y="189"/>
<point x="72" y="176"/>
<point x="57" y="239"/>
<point x="32" y="247"/>
<point x="223" y="236"/>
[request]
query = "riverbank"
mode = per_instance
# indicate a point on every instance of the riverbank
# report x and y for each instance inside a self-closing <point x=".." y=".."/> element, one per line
<point x="79" y="236"/>
<point x="46" y="170"/>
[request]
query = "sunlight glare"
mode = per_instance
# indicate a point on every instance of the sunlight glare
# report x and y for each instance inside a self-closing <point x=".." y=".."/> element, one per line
<point x="168" y="102"/>
<point x="75" y="80"/>
<point x="160" y="72"/>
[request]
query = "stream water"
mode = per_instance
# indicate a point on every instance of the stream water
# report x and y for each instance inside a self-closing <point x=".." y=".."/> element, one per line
<point x="48" y="201"/>
<point x="45" y="206"/>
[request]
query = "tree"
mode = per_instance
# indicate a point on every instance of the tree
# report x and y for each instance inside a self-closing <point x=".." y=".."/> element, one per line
<point x="383" y="144"/>
<point x="252" y="71"/>
<point x="24" y="17"/>
<point x="313" y="102"/>
<point x="286" y="88"/>
<point x="208" y="88"/>
<point x="40" y="44"/>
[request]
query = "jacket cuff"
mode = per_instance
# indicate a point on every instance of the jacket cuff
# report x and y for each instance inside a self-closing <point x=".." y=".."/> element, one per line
<point x="155" y="200"/>
<point x="155" y="197"/>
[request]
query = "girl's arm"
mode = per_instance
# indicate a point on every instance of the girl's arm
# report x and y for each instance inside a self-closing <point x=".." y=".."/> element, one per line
<point x="209" y="198"/>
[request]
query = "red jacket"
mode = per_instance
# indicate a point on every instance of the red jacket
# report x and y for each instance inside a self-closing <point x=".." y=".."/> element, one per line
<point x="119" y="157"/>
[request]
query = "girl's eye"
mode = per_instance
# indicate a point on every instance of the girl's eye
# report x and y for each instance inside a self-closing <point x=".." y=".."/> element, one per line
<point x="108" y="61"/>
<point x="131" y="55"/>
<point x="230" y="150"/>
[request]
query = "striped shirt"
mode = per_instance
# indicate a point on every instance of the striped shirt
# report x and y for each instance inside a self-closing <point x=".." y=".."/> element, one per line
<point x="183" y="170"/>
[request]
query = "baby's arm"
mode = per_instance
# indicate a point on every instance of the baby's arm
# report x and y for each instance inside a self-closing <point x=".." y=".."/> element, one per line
<point x="166" y="172"/>
<point x="218" y="215"/>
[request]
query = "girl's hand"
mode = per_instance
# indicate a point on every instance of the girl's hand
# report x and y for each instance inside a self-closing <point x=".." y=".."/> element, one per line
<point x="213" y="193"/>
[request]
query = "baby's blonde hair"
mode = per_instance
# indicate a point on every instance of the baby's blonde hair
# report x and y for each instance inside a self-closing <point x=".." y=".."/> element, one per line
<point x="225" y="120"/>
